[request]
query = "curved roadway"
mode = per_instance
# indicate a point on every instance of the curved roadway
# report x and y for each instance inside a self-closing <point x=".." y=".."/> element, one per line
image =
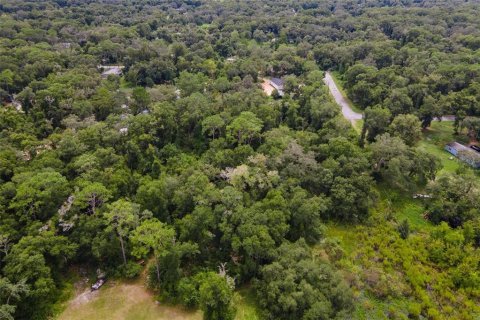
<point x="347" y="111"/>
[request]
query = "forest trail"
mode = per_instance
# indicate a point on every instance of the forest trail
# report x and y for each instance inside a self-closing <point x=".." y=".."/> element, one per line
<point x="347" y="111"/>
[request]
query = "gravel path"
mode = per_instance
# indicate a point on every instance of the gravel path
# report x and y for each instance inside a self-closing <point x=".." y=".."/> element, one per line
<point x="347" y="111"/>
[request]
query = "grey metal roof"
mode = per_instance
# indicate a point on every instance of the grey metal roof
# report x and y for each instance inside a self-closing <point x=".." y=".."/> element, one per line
<point x="277" y="82"/>
<point x="457" y="146"/>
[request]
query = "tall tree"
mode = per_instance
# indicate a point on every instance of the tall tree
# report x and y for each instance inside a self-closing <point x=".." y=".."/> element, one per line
<point x="122" y="217"/>
<point x="216" y="297"/>
<point x="39" y="194"/>
<point x="376" y="122"/>
<point x="245" y="127"/>
<point x="153" y="236"/>
<point x="407" y="127"/>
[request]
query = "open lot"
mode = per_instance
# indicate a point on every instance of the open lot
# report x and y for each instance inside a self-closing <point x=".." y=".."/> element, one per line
<point x="123" y="301"/>
<point x="131" y="300"/>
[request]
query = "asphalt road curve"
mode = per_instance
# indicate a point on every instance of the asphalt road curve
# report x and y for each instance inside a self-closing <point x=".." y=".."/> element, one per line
<point x="347" y="111"/>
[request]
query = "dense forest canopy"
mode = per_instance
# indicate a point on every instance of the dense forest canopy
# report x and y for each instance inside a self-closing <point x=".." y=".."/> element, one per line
<point x="138" y="130"/>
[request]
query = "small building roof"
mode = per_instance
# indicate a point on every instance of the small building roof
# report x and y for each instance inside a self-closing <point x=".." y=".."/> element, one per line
<point x="277" y="82"/>
<point x="464" y="153"/>
<point x="113" y="71"/>
<point x="109" y="70"/>
<point x="457" y="146"/>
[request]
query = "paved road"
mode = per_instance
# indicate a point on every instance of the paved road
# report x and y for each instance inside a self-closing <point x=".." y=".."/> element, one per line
<point x="347" y="111"/>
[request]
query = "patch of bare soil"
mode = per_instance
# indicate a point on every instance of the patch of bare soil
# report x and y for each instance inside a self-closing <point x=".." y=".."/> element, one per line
<point x="267" y="87"/>
<point x="86" y="296"/>
<point x="83" y="293"/>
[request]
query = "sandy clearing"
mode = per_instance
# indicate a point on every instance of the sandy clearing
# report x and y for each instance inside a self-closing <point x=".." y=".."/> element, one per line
<point x="267" y="87"/>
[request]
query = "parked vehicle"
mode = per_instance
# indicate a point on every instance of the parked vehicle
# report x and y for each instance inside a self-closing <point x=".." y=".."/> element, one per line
<point x="476" y="148"/>
<point x="97" y="284"/>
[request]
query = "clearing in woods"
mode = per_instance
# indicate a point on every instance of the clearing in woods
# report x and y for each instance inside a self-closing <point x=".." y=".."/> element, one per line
<point x="123" y="301"/>
<point x="267" y="87"/>
<point x="131" y="300"/>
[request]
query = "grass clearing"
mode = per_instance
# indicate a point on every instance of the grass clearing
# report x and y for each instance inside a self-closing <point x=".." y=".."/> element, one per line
<point x="358" y="125"/>
<point x="402" y="206"/>
<point x="434" y="140"/>
<point x="124" y="301"/>
<point x="131" y="300"/>
<point x="369" y="307"/>
<point x="345" y="233"/>
<point x="246" y="304"/>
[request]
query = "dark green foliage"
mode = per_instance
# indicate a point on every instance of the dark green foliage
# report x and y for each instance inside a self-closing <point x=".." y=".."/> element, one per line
<point x="454" y="200"/>
<point x="215" y="298"/>
<point x="212" y="292"/>
<point x="404" y="229"/>
<point x="183" y="161"/>
<point x="400" y="165"/>
<point x="294" y="286"/>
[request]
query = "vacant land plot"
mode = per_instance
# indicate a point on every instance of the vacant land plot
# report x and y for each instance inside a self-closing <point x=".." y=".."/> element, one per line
<point x="120" y="300"/>
<point x="123" y="301"/>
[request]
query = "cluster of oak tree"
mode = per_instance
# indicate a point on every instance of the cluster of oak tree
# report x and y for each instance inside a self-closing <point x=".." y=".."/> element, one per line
<point x="185" y="163"/>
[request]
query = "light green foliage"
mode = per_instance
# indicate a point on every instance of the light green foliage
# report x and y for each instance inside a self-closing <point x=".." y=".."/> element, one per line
<point x="184" y="162"/>
<point x="293" y="286"/>
<point x="39" y="194"/>
<point x="122" y="217"/>
<point x="244" y="128"/>
<point x="152" y="236"/>
<point x="6" y="79"/>
<point x="390" y="268"/>
<point x="91" y="197"/>
<point x="103" y="103"/>
<point x="190" y="83"/>
<point x="213" y="124"/>
<point x="141" y="99"/>
<point x="407" y="127"/>
<point x="9" y="294"/>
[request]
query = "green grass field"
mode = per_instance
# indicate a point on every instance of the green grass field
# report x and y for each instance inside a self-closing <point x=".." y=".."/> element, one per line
<point x="246" y="304"/>
<point x="123" y="301"/>
<point x="131" y="300"/>
<point x="434" y="140"/>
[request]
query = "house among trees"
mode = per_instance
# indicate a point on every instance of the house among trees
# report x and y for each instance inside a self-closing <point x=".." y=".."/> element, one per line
<point x="277" y="83"/>
<point x="111" y="70"/>
<point x="464" y="153"/>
